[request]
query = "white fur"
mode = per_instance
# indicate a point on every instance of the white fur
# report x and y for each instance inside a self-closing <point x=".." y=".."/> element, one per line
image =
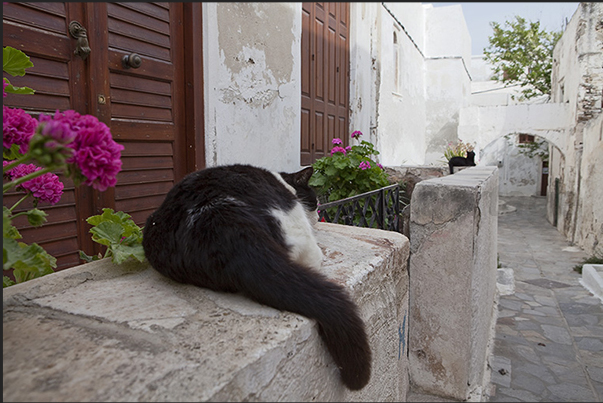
<point x="299" y="236"/>
<point x="297" y="226"/>
<point x="284" y="182"/>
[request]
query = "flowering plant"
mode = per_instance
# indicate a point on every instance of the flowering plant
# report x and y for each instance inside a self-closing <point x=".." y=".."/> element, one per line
<point x="119" y="233"/>
<point x="348" y="171"/>
<point x="457" y="150"/>
<point x="78" y="146"/>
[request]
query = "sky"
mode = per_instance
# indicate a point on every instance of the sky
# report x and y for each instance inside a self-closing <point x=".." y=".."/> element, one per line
<point x="552" y="17"/>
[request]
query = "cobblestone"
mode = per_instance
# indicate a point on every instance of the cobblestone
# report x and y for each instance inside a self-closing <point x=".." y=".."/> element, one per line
<point x="548" y="344"/>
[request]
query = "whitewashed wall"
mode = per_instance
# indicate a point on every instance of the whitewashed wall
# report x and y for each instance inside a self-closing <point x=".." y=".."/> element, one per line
<point x="447" y="80"/>
<point x="387" y="99"/>
<point x="577" y="81"/>
<point x="252" y="68"/>
<point x="519" y="175"/>
<point x="589" y="222"/>
<point x="252" y="82"/>
<point x="410" y="60"/>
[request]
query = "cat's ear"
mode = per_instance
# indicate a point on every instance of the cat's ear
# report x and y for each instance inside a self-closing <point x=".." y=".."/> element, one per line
<point x="303" y="177"/>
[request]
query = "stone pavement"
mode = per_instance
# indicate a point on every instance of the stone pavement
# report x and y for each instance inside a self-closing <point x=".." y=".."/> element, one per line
<point x="549" y="334"/>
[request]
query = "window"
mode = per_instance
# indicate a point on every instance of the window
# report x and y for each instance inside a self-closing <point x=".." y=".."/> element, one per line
<point x="526" y="138"/>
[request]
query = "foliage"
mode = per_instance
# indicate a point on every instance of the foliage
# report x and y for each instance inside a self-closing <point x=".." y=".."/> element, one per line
<point x="14" y="62"/>
<point x="78" y="146"/>
<point x="537" y="148"/>
<point x="457" y="150"/>
<point x="347" y="171"/>
<point x="118" y="232"/>
<point x="522" y="53"/>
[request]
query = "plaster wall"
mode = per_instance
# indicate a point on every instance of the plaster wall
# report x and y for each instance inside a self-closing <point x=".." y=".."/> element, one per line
<point x="252" y="67"/>
<point x="577" y="81"/>
<point x="484" y="124"/>
<point x="447" y="79"/>
<point x="484" y="90"/>
<point x="589" y="222"/>
<point x="388" y="73"/>
<point x="452" y="270"/>
<point x="405" y="66"/>
<point x="518" y="174"/>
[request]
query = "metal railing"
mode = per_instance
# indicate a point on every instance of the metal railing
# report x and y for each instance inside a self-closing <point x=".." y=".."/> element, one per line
<point x="379" y="208"/>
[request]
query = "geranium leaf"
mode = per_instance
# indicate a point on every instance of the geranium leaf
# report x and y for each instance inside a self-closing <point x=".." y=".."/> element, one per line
<point x="14" y="61"/>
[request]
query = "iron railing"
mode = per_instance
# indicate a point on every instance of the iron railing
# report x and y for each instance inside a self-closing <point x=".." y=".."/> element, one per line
<point x="379" y="208"/>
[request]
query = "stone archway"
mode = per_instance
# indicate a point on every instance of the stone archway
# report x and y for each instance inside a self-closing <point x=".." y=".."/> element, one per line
<point x="482" y="125"/>
<point x="523" y="171"/>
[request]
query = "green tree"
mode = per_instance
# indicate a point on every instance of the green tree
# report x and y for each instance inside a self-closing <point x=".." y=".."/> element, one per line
<point x="522" y="53"/>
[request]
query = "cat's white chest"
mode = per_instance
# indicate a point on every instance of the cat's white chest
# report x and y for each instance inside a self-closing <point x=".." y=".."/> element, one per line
<point x="299" y="236"/>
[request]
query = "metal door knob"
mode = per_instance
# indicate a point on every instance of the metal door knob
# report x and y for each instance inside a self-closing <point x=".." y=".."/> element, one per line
<point x="132" y="60"/>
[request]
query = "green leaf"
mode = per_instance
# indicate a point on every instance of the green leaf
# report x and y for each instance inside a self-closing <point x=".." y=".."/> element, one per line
<point x="12" y="153"/>
<point x="14" y="61"/>
<point x="28" y="261"/>
<point x="107" y="232"/>
<point x="7" y="282"/>
<point x="17" y="90"/>
<point x="123" y="252"/>
<point x="87" y="258"/>
<point x="36" y="217"/>
<point x="119" y="233"/>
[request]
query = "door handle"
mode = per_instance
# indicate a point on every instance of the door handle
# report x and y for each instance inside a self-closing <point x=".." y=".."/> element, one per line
<point x="132" y="60"/>
<point x="77" y="31"/>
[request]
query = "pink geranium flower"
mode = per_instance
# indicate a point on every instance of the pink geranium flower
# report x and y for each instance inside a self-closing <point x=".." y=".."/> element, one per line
<point x="96" y="159"/>
<point x="46" y="187"/>
<point x="337" y="141"/>
<point x="338" y="150"/>
<point x="356" y="134"/>
<point x="17" y="128"/>
<point x="364" y="165"/>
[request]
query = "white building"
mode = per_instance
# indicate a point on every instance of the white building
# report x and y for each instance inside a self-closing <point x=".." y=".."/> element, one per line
<point x="410" y="93"/>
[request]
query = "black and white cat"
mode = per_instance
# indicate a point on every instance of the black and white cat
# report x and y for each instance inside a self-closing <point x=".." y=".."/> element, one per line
<point x="240" y="228"/>
<point x="468" y="161"/>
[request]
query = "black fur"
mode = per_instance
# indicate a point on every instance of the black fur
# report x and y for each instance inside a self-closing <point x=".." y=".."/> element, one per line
<point x="214" y="230"/>
<point x="462" y="161"/>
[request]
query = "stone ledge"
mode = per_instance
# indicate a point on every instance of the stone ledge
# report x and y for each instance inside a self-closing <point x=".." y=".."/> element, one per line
<point x="103" y="332"/>
<point x="453" y="233"/>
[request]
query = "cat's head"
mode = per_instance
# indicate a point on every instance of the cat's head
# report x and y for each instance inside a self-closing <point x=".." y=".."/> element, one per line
<point x="299" y="181"/>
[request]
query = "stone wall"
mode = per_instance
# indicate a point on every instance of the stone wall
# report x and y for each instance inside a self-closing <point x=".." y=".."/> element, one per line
<point x="453" y="236"/>
<point x="105" y="332"/>
<point x="577" y="81"/>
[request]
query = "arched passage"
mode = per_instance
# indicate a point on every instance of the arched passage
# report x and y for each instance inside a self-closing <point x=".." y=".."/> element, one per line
<point x="523" y="163"/>
<point x="482" y="125"/>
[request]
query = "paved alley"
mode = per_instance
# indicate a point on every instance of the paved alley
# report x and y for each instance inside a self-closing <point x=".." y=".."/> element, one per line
<point x="549" y="334"/>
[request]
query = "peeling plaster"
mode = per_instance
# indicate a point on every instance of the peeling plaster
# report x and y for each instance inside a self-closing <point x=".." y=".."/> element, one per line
<point x="256" y="58"/>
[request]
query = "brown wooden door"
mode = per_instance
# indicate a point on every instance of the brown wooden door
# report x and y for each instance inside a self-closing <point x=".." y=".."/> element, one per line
<point x="325" y="78"/>
<point x="144" y="106"/>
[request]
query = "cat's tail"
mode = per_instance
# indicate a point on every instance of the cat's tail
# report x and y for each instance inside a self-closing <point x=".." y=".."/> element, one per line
<point x="288" y="286"/>
<point x="450" y="167"/>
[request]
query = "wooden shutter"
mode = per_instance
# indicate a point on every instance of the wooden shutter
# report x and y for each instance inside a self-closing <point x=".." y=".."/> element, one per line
<point x="144" y="106"/>
<point x="325" y="78"/>
<point x="146" y="102"/>
<point x="41" y="31"/>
